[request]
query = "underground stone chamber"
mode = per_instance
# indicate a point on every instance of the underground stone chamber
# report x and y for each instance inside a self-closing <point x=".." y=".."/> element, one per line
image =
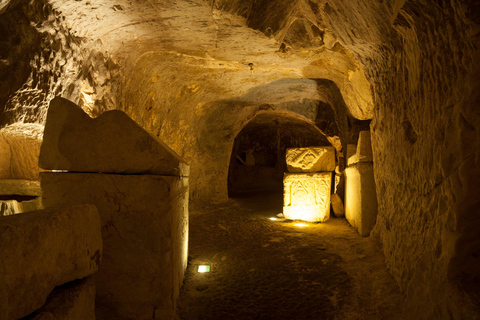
<point x="211" y="79"/>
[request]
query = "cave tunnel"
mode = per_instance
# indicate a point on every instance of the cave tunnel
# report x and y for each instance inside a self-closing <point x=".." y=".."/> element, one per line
<point x="134" y="133"/>
<point x="257" y="163"/>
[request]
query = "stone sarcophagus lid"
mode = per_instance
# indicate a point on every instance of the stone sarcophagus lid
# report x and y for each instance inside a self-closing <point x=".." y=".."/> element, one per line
<point x="307" y="196"/>
<point x="311" y="159"/>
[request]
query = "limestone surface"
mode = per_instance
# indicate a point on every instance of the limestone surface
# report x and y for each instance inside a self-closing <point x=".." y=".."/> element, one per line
<point x="12" y="206"/>
<point x="364" y="147"/>
<point x="361" y="198"/>
<point x="337" y="205"/>
<point x="307" y="196"/>
<point x="312" y="159"/>
<point x="144" y="228"/>
<point x="9" y="207"/>
<point x="351" y="154"/>
<point x="20" y="187"/>
<point x="19" y="150"/>
<point x="44" y="249"/>
<point x="110" y="143"/>
<point x="72" y="301"/>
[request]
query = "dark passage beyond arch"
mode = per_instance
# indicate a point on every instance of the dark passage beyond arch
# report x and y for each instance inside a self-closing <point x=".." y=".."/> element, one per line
<point x="257" y="163"/>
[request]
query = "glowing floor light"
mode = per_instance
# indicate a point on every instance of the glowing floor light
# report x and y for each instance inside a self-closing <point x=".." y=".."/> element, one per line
<point x="203" y="268"/>
<point x="273" y="219"/>
<point x="300" y="225"/>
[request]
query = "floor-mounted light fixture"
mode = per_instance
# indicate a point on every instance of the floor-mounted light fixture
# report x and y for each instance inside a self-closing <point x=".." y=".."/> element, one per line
<point x="203" y="268"/>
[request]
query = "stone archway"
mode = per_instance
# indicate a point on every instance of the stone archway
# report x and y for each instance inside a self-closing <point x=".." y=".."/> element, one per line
<point x="257" y="161"/>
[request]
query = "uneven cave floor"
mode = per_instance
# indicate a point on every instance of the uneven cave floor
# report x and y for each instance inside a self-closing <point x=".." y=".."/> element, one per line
<point x="263" y="269"/>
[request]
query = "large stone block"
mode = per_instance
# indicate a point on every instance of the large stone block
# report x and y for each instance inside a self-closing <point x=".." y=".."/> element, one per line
<point x="19" y="150"/>
<point x="145" y="230"/>
<point x="72" y="301"/>
<point x="312" y="159"/>
<point x="307" y="196"/>
<point x="44" y="249"/>
<point x="361" y="198"/>
<point x="110" y="143"/>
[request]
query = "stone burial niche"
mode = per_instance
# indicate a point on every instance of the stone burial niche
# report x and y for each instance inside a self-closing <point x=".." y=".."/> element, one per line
<point x="140" y="187"/>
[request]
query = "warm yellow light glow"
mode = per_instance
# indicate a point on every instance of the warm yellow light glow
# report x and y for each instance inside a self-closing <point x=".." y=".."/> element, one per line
<point x="307" y="196"/>
<point x="304" y="213"/>
<point x="300" y="225"/>
<point x="273" y="219"/>
<point x="203" y="268"/>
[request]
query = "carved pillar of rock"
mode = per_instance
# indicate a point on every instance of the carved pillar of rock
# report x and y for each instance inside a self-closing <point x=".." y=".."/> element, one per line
<point x="360" y="193"/>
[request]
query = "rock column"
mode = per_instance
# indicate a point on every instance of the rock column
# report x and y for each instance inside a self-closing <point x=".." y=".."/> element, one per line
<point x="360" y="193"/>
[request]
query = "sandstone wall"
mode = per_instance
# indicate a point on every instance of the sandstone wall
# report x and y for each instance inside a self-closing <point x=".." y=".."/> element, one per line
<point x="426" y="142"/>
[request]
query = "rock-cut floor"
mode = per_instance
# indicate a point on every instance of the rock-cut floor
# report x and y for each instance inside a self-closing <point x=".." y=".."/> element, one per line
<point x="262" y="269"/>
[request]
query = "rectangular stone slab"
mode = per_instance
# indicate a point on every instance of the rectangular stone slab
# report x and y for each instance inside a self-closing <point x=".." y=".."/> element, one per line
<point x="145" y="230"/>
<point x="43" y="249"/>
<point x="361" y="198"/>
<point x="20" y="187"/>
<point x="311" y="159"/>
<point x="307" y="196"/>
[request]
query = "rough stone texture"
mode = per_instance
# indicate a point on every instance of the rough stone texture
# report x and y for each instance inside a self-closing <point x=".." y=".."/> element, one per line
<point x="361" y="197"/>
<point x="337" y="205"/>
<point x="44" y="249"/>
<point x="194" y="73"/>
<point x="20" y="187"/>
<point x="364" y="147"/>
<point x="362" y="152"/>
<point x="72" y="301"/>
<point x="19" y="150"/>
<point x="351" y="154"/>
<point x="145" y="231"/>
<point x="9" y="207"/>
<point x="311" y="159"/>
<point x="307" y="196"/>
<point x="111" y="143"/>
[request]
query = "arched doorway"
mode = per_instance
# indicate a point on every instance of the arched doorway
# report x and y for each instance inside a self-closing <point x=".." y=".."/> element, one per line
<point x="257" y="162"/>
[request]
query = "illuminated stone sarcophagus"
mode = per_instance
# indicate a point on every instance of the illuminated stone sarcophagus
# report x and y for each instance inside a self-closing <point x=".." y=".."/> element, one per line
<point x="307" y="196"/>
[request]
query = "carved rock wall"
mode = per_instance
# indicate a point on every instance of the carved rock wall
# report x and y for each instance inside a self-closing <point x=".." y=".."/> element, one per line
<point x="426" y="142"/>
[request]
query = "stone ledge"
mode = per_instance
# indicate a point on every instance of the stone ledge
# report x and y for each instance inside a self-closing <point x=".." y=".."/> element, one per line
<point x="20" y="187"/>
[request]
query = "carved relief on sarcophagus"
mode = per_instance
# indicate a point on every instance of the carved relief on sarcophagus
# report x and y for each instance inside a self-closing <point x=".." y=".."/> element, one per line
<point x="311" y="159"/>
<point x="307" y="196"/>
